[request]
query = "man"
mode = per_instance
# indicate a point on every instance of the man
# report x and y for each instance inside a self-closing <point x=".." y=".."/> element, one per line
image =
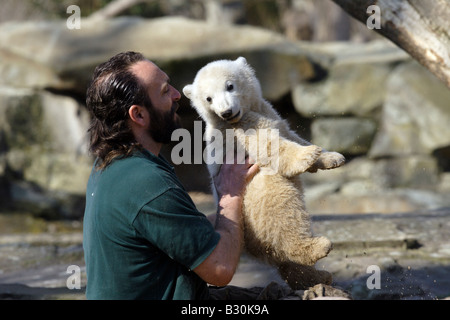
<point x="143" y="236"/>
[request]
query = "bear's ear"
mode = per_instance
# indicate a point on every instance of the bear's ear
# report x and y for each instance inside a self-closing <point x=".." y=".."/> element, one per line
<point x="187" y="90"/>
<point x="241" y="60"/>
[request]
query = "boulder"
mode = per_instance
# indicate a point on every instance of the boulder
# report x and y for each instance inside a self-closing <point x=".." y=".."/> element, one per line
<point x="45" y="159"/>
<point x="415" y="115"/>
<point x="350" y="136"/>
<point x="444" y="185"/>
<point x="353" y="78"/>
<point x="419" y="172"/>
<point x="44" y="132"/>
<point x="365" y="185"/>
<point x="49" y="55"/>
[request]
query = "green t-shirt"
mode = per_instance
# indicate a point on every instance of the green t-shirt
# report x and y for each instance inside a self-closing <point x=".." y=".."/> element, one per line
<point x="142" y="234"/>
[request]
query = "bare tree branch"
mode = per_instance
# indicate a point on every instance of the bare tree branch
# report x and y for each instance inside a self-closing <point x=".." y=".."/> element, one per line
<point x="421" y="28"/>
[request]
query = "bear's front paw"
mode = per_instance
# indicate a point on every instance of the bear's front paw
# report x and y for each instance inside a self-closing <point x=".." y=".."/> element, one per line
<point x="294" y="159"/>
<point x="304" y="158"/>
<point x="328" y="160"/>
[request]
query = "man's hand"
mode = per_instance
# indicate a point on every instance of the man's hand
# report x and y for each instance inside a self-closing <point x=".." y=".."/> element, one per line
<point x="233" y="178"/>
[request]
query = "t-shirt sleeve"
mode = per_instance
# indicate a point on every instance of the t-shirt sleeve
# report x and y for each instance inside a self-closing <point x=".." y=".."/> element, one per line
<point x="172" y="223"/>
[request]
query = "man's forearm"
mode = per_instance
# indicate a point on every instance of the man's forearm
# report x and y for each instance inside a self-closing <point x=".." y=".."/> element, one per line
<point x="220" y="266"/>
<point x="229" y="221"/>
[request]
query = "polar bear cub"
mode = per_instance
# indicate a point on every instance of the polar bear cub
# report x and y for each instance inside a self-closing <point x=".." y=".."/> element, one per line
<point x="227" y="95"/>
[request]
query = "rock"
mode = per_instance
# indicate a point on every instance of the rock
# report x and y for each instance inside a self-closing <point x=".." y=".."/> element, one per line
<point x="336" y="203"/>
<point x="325" y="292"/>
<point x="61" y="172"/>
<point x="26" y="197"/>
<point x="45" y="155"/>
<point x="21" y="119"/>
<point x="49" y="55"/>
<point x="52" y="122"/>
<point x="444" y="185"/>
<point x="415" y="171"/>
<point x="46" y="139"/>
<point x="18" y="71"/>
<point x="386" y="201"/>
<point x="353" y="79"/>
<point x="415" y="114"/>
<point x="419" y="172"/>
<point x="366" y="185"/>
<point x="349" y="136"/>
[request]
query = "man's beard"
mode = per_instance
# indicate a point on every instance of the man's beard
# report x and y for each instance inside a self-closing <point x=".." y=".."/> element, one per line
<point x="163" y="124"/>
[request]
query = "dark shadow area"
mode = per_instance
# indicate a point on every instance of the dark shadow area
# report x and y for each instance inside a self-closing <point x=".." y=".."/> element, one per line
<point x="397" y="282"/>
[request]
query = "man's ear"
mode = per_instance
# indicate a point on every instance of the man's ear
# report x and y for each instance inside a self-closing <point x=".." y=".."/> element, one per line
<point x="139" y="115"/>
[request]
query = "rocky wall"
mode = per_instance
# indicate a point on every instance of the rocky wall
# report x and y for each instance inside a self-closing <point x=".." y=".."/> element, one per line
<point x="387" y="114"/>
<point x="390" y="117"/>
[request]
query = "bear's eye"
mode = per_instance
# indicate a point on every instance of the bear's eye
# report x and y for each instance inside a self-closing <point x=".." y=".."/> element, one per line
<point x="230" y="87"/>
<point x="209" y="99"/>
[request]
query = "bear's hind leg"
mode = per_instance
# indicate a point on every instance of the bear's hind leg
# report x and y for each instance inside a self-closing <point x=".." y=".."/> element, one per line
<point x="309" y="250"/>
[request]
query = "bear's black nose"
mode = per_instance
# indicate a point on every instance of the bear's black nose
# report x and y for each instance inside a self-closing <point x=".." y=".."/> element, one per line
<point x="226" y="114"/>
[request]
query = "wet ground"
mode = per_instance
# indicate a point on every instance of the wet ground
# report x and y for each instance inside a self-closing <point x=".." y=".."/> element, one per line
<point x="375" y="256"/>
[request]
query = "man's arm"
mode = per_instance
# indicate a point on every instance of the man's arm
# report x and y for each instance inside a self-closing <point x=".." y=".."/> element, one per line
<point x="219" y="267"/>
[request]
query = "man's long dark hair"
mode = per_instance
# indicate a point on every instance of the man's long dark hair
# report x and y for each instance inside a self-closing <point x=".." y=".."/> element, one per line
<point x="112" y="91"/>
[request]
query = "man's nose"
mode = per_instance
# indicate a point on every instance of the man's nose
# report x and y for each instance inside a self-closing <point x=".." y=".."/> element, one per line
<point x="176" y="95"/>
